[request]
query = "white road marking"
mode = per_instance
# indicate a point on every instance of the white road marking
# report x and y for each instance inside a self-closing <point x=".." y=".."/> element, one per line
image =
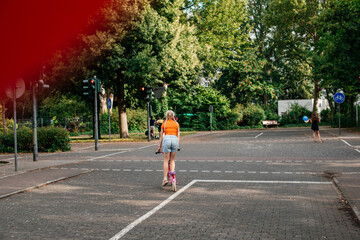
<point x="346" y="142"/>
<point x="107" y="155"/>
<point x="151" y="212"/>
<point x="172" y="197"/>
<point x="192" y="171"/>
<point x="259" y="135"/>
<point x="148" y="146"/>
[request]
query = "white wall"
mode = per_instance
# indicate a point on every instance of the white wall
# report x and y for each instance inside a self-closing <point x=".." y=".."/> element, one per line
<point x="285" y="105"/>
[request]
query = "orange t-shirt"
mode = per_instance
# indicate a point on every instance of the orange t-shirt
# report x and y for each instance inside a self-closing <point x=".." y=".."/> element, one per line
<point x="170" y="127"/>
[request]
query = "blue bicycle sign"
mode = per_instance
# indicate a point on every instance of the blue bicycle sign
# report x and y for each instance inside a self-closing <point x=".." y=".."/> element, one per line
<point x="339" y="97"/>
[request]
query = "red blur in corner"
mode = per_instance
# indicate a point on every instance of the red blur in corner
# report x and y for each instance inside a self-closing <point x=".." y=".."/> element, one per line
<point x="30" y="31"/>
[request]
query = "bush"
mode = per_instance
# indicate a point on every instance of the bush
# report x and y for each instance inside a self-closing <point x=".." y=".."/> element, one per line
<point x="239" y="108"/>
<point x="104" y="123"/>
<point x="137" y="120"/>
<point x="228" y="121"/>
<point x="253" y="115"/>
<point x="7" y="142"/>
<point x="270" y="113"/>
<point x="24" y="139"/>
<point x="50" y="139"/>
<point x="326" y="116"/>
<point x="345" y="121"/>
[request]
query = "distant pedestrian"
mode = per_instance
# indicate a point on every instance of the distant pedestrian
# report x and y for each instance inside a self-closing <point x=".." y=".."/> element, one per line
<point x="315" y="120"/>
<point x="159" y="122"/>
<point x="152" y="127"/>
<point x="169" y="143"/>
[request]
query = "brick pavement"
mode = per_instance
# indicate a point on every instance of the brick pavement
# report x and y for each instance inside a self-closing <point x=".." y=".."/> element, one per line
<point x="349" y="185"/>
<point x="250" y="211"/>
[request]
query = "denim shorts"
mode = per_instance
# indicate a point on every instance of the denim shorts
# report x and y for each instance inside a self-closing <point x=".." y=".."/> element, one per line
<point x="170" y="143"/>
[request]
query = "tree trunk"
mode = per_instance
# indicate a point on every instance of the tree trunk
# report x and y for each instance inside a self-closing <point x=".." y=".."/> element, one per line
<point x="316" y="96"/>
<point x="3" y="116"/>
<point x="124" y="132"/>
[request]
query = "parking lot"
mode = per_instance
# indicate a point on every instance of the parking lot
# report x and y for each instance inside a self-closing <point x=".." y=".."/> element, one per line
<point x="247" y="184"/>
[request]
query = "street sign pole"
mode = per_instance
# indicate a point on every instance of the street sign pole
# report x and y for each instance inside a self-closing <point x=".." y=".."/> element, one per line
<point x="357" y="115"/>
<point x="339" y="98"/>
<point x="15" y="134"/>
<point x="35" y="145"/>
<point x="96" y="116"/>
<point x="109" y="107"/>
<point x="339" y="120"/>
<point x="211" y="121"/>
<point x="15" y="92"/>
<point x="148" y="121"/>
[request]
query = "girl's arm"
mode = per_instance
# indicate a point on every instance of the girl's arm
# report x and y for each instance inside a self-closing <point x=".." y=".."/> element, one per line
<point x="161" y="138"/>
<point x="178" y="134"/>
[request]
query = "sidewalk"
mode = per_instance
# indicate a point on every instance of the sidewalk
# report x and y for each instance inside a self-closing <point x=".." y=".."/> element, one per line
<point x="33" y="174"/>
<point x="349" y="185"/>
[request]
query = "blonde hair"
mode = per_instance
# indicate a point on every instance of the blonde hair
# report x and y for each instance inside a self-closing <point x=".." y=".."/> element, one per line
<point x="170" y="115"/>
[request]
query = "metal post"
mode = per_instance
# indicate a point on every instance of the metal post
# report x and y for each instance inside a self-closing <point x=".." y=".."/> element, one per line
<point x="211" y="121"/>
<point x="357" y="115"/>
<point x="148" y="120"/>
<point x="96" y="116"/>
<point x="109" y="126"/>
<point x="35" y="145"/>
<point x="339" y="120"/>
<point x="15" y="134"/>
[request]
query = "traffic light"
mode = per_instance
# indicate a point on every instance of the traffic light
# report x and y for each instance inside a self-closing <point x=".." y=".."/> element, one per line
<point x="92" y="84"/>
<point x="89" y="87"/>
<point x="86" y="89"/>
<point x="147" y="93"/>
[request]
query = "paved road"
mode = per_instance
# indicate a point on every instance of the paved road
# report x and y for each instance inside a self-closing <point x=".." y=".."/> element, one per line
<point x="249" y="184"/>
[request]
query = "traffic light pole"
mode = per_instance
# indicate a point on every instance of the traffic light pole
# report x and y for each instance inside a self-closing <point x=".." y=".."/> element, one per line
<point x="15" y="133"/>
<point x="96" y="118"/>
<point x="35" y="145"/>
<point x="148" y="121"/>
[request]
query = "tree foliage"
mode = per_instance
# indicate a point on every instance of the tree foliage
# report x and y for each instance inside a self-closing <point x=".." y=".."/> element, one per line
<point x="338" y="61"/>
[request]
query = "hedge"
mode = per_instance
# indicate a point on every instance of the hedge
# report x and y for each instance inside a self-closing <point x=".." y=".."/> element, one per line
<point x="50" y="139"/>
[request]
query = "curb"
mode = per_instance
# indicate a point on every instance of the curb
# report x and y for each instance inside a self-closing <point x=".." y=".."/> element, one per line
<point x="353" y="208"/>
<point x="42" y="184"/>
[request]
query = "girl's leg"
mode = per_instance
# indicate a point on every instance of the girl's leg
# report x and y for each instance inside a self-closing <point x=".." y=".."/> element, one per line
<point x="318" y="133"/>
<point x="314" y="136"/>
<point x="172" y="161"/>
<point x="165" y="165"/>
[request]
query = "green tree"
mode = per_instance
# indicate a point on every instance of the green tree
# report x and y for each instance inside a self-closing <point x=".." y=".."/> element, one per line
<point x="162" y="49"/>
<point x="100" y="51"/>
<point x="229" y="56"/>
<point x="136" y="45"/>
<point x="338" y="61"/>
<point x="65" y="106"/>
<point x="197" y="103"/>
<point x="295" y="34"/>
